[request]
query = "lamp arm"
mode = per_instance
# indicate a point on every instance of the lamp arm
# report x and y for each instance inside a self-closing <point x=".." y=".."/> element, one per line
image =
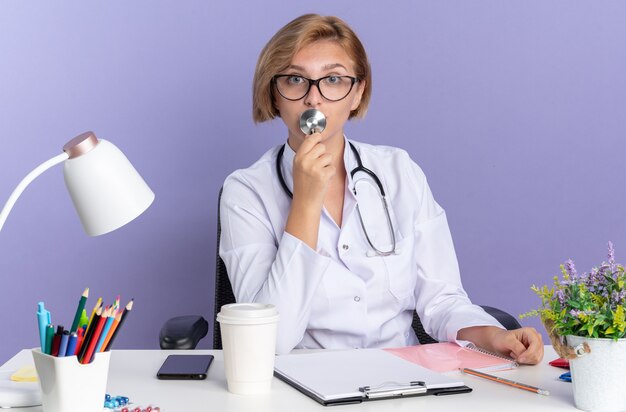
<point x="26" y="181"/>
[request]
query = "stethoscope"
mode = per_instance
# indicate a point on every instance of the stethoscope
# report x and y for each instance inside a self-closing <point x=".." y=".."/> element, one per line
<point x="314" y="121"/>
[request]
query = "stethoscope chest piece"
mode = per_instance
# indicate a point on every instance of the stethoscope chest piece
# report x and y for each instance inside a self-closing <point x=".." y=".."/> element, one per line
<point x="312" y="121"/>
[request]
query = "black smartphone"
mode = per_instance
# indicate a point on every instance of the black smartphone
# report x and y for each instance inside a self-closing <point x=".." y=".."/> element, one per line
<point x="185" y="367"/>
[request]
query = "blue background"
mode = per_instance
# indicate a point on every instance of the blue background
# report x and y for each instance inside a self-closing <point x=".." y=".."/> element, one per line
<point x="515" y="110"/>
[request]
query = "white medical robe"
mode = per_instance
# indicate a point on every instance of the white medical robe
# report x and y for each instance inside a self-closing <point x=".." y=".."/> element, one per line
<point x="340" y="296"/>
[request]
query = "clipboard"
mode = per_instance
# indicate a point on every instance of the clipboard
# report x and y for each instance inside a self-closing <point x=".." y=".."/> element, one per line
<point x="361" y="375"/>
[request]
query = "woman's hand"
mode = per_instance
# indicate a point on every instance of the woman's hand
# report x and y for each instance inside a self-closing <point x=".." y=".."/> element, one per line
<point x="312" y="173"/>
<point x="525" y="345"/>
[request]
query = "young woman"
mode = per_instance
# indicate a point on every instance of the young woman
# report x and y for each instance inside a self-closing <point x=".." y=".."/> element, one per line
<point x="306" y="227"/>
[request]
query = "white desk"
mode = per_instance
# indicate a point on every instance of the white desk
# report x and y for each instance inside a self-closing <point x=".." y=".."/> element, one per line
<point x="132" y="373"/>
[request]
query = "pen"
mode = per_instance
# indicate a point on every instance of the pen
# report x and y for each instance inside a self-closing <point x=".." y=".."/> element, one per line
<point x="71" y="344"/>
<point x="79" y="309"/>
<point x="49" y="338"/>
<point x="505" y="381"/>
<point x="64" y="341"/>
<point x="56" y="341"/>
<point x="43" y="318"/>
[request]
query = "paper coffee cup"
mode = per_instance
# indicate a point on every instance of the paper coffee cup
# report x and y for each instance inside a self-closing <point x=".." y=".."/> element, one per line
<point x="249" y="343"/>
<point x="69" y="386"/>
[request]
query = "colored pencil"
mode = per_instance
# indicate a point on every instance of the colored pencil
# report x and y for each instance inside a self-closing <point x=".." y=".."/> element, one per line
<point x="105" y="329"/>
<point x="88" y="334"/>
<point x="79" y="309"/>
<point x="112" y="330"/>
<point x="95" y="336"/>
<point x="129" y="307"/>
<point x="508" y="382"/>
<point x="93" y="313"/>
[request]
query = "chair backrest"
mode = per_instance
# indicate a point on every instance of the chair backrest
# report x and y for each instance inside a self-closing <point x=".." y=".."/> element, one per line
<point x="224" y="295"/>
<point x="422" y="336"/>
<point x="223" y="289"/>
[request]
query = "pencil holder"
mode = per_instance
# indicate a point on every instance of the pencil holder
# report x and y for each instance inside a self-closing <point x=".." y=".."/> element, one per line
<point x="68" y="386"/>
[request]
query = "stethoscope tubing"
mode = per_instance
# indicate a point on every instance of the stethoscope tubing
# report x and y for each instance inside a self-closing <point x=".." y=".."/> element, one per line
<point x="358" y="168"/>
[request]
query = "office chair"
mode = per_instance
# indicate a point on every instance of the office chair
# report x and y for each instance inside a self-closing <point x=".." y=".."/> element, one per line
<point x="184" y="332"/>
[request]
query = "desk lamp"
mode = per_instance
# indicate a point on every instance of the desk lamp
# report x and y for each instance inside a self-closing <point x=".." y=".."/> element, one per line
<point x="105" y="188"/>
<point x="107" y="193"/>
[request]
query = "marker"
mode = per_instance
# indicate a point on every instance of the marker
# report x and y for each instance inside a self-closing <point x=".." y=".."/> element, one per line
<point x="56" y="341"/>
<point x="79" y="310"/>
<point x="71" y="344"/>
<point x="49" y="338"/>
<point x="80" y="336"/>
<point x="84" y="319"/>
<point x="506" y="381"/>
<point x="43" y="319"/>
<point x="64" y="341"/>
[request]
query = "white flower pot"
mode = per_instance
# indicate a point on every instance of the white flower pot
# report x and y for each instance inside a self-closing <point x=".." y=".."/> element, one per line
<point x="598" y="377"/>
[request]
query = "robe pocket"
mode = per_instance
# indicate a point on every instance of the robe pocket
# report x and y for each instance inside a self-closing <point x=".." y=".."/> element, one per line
<point x="401" y="270"/>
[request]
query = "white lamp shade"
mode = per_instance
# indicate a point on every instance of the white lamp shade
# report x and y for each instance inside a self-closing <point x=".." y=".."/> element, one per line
<point x="106" y="189"/>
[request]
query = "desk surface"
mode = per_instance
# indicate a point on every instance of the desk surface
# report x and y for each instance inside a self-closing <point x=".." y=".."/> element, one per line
<point x="132" y="373"/>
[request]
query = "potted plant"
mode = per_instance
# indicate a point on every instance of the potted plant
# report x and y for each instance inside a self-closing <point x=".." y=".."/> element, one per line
<point x="584" y="315"/>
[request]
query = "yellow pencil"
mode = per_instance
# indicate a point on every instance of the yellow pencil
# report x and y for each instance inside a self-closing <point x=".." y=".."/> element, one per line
<point x="506" y="381"/>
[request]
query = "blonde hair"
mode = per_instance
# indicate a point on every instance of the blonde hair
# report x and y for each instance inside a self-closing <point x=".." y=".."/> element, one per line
<point x="279" y="51"/>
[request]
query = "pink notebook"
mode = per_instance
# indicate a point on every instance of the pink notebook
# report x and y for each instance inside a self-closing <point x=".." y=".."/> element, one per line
<point x="446" y="357"/>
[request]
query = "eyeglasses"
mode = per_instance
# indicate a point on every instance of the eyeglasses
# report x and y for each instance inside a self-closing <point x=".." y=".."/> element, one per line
<point x="333" y="88"/>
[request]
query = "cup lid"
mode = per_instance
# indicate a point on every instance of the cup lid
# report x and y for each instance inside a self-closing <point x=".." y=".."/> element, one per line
<point x="241" y="313"/>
